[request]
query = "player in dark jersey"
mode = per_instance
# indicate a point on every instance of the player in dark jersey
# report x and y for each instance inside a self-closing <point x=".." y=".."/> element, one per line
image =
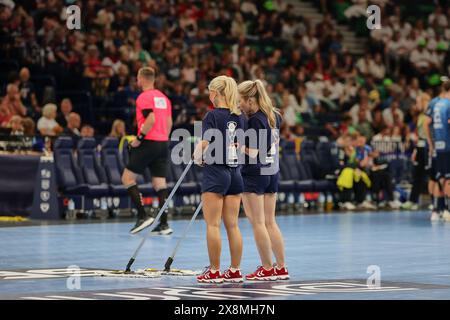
<point x="420" y="158"/>
<point x="222" y="181"/>
<point x="261" y="174"/>
<point x="438" y="124"/>
<point x="150" y="149"/>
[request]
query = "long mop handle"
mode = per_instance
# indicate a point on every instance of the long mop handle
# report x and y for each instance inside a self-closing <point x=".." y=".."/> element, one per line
<point x="163" y="208"/>
<point x="186" y="230"/>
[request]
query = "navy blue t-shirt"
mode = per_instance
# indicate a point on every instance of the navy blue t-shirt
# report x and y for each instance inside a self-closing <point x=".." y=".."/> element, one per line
<point x="267" y="142"/>
<point x="221" y="121"/>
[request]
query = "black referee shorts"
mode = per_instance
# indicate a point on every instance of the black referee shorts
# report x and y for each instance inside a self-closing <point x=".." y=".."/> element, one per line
<point x="443" y="165"/>
<point x="150" y="154"/>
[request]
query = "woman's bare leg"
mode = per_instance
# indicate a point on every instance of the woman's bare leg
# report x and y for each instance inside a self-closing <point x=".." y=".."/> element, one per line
<point x="212" y="213"/>
<point x="230" y="215"/>
<point x="276" y="238"/>
<point x="254" y="209"/>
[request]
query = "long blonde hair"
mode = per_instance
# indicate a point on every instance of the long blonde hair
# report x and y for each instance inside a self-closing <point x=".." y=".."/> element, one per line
<point x="227" y="88"/>
<point x="424" y="98"/>
<point x="255" y="89"/>
<point x="114" y="129"/>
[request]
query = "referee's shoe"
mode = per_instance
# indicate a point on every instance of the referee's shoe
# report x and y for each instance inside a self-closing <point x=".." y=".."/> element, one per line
<point x="141" y="224"/>
<point x="162" y="229"/>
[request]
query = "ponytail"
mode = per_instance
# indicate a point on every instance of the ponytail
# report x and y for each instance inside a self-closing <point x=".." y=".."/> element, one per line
<point x="255" y="89"/>
<point x="227" y="88"/>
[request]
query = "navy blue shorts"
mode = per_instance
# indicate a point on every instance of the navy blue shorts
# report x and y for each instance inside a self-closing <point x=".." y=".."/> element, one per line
<point x="261" y="184"/>
<point x="443" y="165"/>
<point x="222" y="179"/>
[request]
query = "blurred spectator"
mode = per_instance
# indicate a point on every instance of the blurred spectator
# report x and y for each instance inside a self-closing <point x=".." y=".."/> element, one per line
<point x="335" y="88"/>
<point x="16" y="126"/>
<point x="382" y="187"/>
<point x="316" y="86"/>
<point x="64" y="112"/>
<point x="118" y="129"/>
<point x="27" y="92"/>
<point x="391" y="113"/>
<point x="420" y="57"/>
<point x="288" y="110"/>
<point x="11" y="105"/>
<point x="47" y="124"/>
<point x="362" y="105"/>
<point x="310" y="43"/>
<point x="87" y="131"/>
<point x="353" y="181"/>
<point x="200" y="89"/>
<point x="344" y="127"/>
<point x="438" y="17"/>
<point x="364" y="162"/>
<point x="302" y="102"/>
<point x="72" y="128"/>
<point x="358" y="9"/>
<point x="363" y="125"/>
<point x="121" y="80"/>
<point x="29" y="127"/>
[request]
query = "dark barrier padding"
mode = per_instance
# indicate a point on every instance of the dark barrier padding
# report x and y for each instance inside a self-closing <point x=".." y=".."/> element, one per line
<point x="17" y="179"/>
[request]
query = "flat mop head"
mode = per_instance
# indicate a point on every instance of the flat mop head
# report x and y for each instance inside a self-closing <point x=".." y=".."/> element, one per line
<point x="128" y="274"/>
<point x="173" y="272"/>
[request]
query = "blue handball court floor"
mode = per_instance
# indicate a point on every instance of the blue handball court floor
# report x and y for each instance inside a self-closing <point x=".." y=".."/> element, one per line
<point x="330" y="256"/>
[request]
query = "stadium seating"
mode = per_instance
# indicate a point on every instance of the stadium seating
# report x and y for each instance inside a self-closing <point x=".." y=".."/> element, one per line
<point x="190" y="184"/>
<point x="91" y="170"/>
<point x="69" y="177"/>
<point x="292" y="179"/>
<point x="327" y="159"/>
<point x="72" y="181"/>
<point x="94" y="174"/>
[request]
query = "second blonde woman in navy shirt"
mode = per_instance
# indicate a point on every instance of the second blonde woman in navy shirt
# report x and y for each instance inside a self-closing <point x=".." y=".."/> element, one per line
<point x="260" y="175"/>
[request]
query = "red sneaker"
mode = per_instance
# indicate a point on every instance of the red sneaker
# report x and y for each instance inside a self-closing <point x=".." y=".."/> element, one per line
<point x="281" y="273"/>
<point x="208" y="277"/>
<point x="230" y="276"/>
<point x="262" y="274"/>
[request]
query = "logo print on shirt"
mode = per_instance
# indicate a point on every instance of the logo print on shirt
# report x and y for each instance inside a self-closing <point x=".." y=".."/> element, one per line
<point x="232" y="151"/>
<point x="160" y="103"/>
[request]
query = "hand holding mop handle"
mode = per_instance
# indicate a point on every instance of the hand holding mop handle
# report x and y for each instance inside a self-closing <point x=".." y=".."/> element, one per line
<point x="163" y="208"/>
<point x="186" y="230"/>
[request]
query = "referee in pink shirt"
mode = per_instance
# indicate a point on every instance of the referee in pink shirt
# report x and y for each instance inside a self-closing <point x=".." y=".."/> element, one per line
<point x="150" y="149"/>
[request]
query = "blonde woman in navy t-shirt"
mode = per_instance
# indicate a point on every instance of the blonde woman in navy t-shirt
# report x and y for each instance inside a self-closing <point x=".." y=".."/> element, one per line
<point x="260" y="176"/>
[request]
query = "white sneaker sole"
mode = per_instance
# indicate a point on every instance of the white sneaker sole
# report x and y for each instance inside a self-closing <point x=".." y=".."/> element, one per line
<point x="287" y="277"/>
<point x="235" y="280"/>
<point x="271" y="278"/>
<point x="146" y="224"/>
<point x="163" y="233"/>
<point x="211" y="281"/>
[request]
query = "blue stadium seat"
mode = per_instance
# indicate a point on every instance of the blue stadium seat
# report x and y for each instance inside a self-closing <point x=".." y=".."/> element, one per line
<point x="328" y="160"/>
<point x="320" y="185"/>
<point x="290" y="170"/>
<point x="91" y="170"/>
<point x="69" y="177"/>
<point x="189" y="185"/>
<point x="308" y="155"/>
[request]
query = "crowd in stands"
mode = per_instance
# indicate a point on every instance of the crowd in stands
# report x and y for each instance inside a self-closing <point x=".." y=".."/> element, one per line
<point x="320" y="88"/>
